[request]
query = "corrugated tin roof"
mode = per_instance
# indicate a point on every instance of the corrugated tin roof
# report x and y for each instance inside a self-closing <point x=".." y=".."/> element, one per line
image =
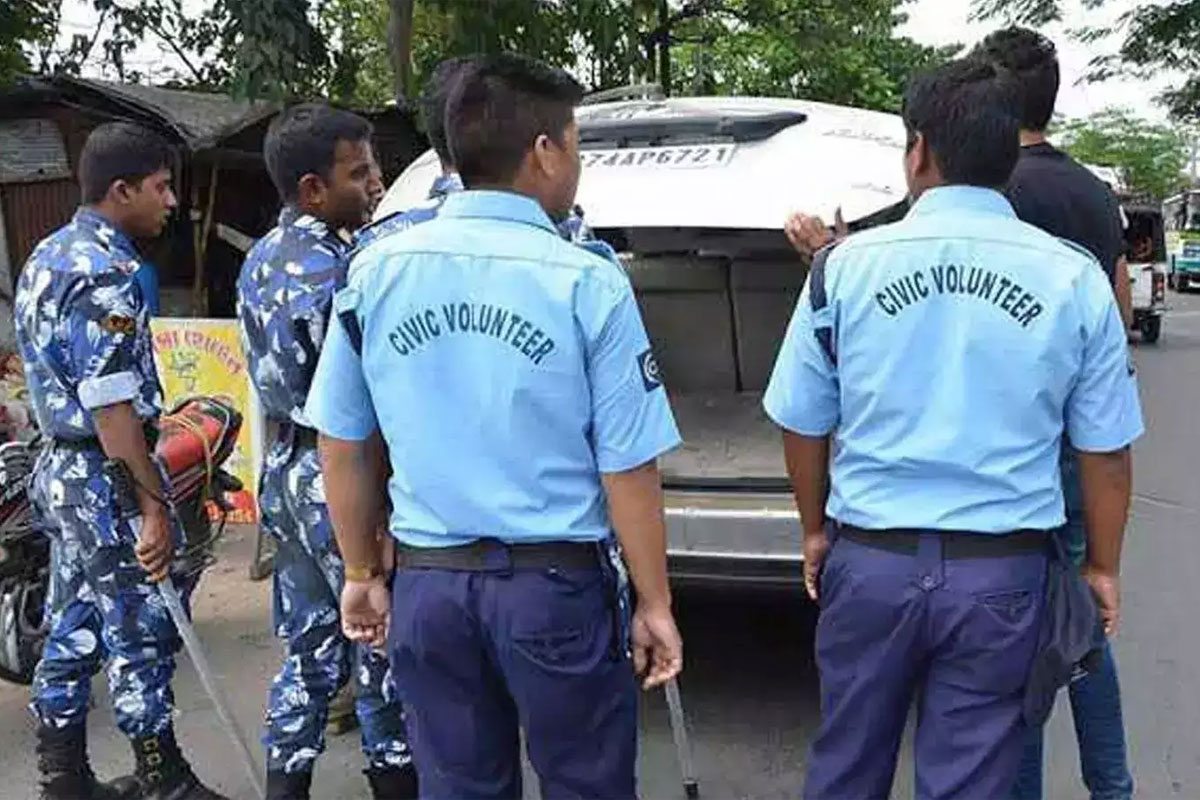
<point x="198" y="119"/>
<point x="201" y="118"/>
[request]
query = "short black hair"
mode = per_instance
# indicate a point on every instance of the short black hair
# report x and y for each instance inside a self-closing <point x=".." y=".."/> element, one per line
<point x="1033" y="61"/>
<point x="120" y="151"/>
<point x="967" y="111"/>
<point x="498" y="107"/>
<point x="303" y="139"/>
<point x="433" y="103"/>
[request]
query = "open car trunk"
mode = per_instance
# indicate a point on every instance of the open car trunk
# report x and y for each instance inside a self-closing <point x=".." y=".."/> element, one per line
<point x="716" y="323"/>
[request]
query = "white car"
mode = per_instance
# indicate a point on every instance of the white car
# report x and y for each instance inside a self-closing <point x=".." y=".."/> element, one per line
<point x="693" y="193"/>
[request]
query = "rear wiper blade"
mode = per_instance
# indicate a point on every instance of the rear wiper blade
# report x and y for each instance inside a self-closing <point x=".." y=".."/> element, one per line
<point x="649" y="132"/>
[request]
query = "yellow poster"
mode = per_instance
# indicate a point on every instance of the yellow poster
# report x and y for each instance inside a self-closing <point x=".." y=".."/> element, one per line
<point x="204" y="356"/>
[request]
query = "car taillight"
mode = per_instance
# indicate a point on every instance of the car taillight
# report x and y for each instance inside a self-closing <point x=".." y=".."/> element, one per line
<point x="1157" y="290"/>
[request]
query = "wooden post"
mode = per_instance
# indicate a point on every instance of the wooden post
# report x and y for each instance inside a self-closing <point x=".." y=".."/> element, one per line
<point x="200" y="237"/>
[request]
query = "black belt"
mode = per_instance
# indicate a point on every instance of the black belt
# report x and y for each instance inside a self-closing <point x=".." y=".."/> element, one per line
<point x="492" y="555"/>
<point x="93" y="442"/>
<point x="298" y="435"/>
<point x="955" y="544"/>
<point x="85" y="443"/>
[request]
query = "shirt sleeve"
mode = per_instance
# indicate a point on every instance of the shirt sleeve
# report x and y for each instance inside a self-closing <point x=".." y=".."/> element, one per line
<point x="1104" y="413"/>
<point x="632" y="422"/>
<point x="339" y="402"/>
<point x="105" y="320"/>
<point x="802" y="395"/>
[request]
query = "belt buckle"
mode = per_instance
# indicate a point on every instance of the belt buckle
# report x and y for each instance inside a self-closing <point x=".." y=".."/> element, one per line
<point x="494" y="556"/>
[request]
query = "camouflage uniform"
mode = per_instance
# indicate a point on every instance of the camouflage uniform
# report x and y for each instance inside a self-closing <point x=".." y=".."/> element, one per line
<point x="83" y="333"/>
<point x="285" y="293"/>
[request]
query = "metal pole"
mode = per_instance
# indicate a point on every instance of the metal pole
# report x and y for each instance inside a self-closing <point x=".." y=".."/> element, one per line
<point x="191" y="641"/>
<point x="683" y="747"/>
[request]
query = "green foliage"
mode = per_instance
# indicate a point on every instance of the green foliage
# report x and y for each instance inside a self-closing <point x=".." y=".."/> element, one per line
<point x="816" y="49"/>
<point x="820" y="49"/>
<point x="1154" y="36"/>
<point x="1150" y="158"/>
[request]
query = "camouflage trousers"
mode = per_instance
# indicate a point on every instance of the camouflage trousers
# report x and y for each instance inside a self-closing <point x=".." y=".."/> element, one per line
<point x="100" y="607"/>
<point x="319" y="660"/>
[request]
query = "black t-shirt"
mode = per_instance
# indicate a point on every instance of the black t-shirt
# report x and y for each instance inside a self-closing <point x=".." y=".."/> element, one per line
<point x="1050" y="190"/>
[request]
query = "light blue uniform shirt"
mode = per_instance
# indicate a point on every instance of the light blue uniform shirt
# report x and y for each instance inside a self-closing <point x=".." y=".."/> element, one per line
<point x="506" y="369"/>
<point x="965" y="340"/>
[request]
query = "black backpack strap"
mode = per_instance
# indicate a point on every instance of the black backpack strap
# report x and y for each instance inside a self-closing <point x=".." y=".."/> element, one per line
<point x="819" y="300"/>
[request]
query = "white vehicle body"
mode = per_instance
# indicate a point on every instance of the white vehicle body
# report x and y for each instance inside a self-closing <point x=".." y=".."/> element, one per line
<point x="693" y="193"/>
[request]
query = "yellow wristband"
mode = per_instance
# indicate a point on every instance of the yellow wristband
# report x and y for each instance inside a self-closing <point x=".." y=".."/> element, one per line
<point x="362" y="574"/>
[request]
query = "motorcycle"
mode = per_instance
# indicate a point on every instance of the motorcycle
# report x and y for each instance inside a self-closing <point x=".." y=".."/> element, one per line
<point x="194" y="440"/>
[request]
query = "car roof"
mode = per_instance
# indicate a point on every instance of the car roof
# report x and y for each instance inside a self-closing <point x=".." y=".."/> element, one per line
<point x="719" y="162"/>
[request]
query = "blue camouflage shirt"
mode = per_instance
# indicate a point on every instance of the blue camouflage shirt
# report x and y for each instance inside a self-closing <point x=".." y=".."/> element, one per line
<point x="285" y="292"/>
<point x="83" y="328"/>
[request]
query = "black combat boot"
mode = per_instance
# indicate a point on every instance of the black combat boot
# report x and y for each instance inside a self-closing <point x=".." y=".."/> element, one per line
<point x="393" y="783"/>
<point x="288" y="785"/>
<point x="164" y="774"/>
<point x="65" y="772"/>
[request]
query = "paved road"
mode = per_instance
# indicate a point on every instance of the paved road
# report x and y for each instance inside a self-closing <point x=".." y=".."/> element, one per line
<point x="750" y="684"/>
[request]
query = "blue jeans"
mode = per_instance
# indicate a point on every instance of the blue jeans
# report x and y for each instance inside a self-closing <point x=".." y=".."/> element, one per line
<point x="1095" y="698"/>
<point x="1096" y="707"/>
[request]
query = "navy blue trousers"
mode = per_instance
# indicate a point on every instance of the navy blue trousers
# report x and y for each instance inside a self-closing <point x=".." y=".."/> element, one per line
<point x="955" y="636"/>
<point x="480" y="656"/>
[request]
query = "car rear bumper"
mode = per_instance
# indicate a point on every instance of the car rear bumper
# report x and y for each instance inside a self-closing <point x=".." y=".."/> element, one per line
<point x="733" y="537"/>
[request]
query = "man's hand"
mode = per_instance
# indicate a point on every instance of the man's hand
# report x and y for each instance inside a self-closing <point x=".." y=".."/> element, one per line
<point x="155" y="546"/>
<point x="365" y="611"/>
<point x="816" y="547"/>
<point x="1107" y="589"/>
<point x="657" y="645"/>
<point x="808" y="233"/>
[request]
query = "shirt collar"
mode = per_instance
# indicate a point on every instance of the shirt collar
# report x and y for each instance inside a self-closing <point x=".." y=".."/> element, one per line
<point x="104" y="230"/>
<point x="445" y="184"/>
<point x="969" y="199"/>
<point x="292" y="217"/>
<point x="472" y="203"/>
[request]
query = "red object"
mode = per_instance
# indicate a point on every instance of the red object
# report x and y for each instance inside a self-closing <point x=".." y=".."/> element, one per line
<point x="194" y="440"/>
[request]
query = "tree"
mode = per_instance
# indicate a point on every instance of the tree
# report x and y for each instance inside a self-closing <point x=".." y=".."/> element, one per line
<point x="818" y="49"/>
<point x="815" y="49"/>
<point x="369" y="52"/>
<point x="1155" y="36"/>
<point x="1149" y="158"/>
<point x="23" y="23"/>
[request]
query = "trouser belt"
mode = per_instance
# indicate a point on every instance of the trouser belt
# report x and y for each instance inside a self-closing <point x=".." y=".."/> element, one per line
<point x="955" y="544"/>
<point x="492" y="555"/>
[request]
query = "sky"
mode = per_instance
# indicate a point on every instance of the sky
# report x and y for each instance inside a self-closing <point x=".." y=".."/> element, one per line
<point x="938" y="22"/>
<point x="933" y="22"/>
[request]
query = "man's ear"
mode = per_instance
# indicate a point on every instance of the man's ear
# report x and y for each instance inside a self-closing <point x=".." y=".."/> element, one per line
<point x="544" y="154"/>
<point x="311" y="190"/>
<point x="120" y="191"/>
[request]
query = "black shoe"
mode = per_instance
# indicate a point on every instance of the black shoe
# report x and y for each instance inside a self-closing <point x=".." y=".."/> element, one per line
<point x="393" y="783"/>
<point x="288" y="785"/>
<point x="65" y="772"/>
<point x="164" y="774"/>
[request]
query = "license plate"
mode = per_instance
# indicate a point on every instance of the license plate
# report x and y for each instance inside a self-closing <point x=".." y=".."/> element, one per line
<point x="677" y="157"/>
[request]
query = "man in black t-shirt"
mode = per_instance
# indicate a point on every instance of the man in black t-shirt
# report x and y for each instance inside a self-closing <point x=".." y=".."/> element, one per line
<point x="1050" y="190"/>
